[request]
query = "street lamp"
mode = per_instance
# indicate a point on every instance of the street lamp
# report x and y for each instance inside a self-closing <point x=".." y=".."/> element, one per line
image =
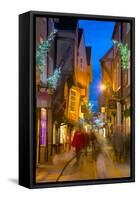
<point x="102" y="87"/>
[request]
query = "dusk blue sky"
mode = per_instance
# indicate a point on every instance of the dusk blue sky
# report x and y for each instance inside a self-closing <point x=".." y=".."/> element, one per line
<point x="97" y="35"/>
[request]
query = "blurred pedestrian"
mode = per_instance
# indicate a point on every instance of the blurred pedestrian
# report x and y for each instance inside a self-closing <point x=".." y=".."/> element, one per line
<point x="92" y="138"/>
<point x="95" y="146"/>
<point x="118" y="143"/>
<point x="78" y="143"/>
<point x="87" y="142"/>
<point x="102" y="162"/>
<point x="95" y="152"/>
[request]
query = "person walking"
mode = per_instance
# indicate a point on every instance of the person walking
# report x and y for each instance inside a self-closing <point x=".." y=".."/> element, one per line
<point x="87" y="142"/>
<point x="94" y="146"/>
<point x="92" y="138"/>
<point x="78" y="143"/>
<point x="118" y="143"/>
<point x="99" y="159"/>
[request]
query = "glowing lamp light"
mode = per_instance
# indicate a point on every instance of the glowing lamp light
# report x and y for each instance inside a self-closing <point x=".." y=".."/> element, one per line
<point x="102" y="87"/>
<point x="90" y="104"/>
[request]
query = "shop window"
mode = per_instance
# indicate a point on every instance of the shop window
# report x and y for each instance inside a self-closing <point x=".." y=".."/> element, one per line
<point x="43" y="127"/>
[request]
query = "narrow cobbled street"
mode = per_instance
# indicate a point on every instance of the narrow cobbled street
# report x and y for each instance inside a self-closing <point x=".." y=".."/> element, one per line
<point x="87" y="169"/>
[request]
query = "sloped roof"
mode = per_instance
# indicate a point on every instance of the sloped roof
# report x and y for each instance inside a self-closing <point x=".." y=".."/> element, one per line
<point x="114" y="31"/>
<point x="108" y="55"/>
<point x="80" y="32"/>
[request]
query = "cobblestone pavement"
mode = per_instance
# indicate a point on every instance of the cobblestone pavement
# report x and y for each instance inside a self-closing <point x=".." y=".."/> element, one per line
<point x="87" y="170"/>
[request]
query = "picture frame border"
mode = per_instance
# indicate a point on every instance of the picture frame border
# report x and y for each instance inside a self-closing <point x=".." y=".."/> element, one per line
<point x="27" y="171"/>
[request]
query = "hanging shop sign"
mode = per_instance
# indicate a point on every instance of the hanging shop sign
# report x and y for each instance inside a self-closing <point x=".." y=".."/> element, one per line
<point x="73" y="106"/>
<point x="112" y="104"/>
<point x="103" y="109"/>
<point x="83" y="108"/>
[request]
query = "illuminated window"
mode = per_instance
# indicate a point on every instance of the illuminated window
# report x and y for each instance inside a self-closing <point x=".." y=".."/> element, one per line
<point x="43" y="128"/>
<point x="73" y="96"/>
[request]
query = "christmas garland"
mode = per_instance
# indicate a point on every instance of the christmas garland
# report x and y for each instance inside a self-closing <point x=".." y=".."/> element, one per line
<point x="42" y="50"/>
<point x="52" y="80"/>
<point x="124" y="53"/>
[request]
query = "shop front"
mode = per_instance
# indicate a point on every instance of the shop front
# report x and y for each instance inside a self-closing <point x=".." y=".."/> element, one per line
<point x="61" y="137"/>
<point x="62" y="128"/>
<point x="43" y="119"/>
<point x="64" y="137"/>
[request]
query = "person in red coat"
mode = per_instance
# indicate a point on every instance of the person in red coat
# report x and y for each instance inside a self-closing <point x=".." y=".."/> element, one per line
<point x="78" y="143"/>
